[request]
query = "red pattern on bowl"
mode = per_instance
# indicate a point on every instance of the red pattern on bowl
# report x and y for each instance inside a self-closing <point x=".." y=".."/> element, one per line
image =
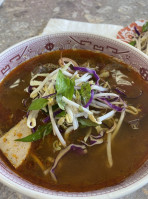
<point x="126" y="33"/>
<point x="25" y="50"/>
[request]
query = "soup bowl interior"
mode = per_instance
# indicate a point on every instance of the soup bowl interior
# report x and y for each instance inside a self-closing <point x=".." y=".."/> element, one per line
<point x="28" y="49"/>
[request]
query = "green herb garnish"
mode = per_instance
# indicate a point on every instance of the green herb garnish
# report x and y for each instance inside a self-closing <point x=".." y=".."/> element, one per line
<point x="62" y="114"/>
<point x="133" y="43"/>
<point x="85" y="92"/>
<point x="145" y="27"/>
<point x="86" y="122"/>
<point x="38" y="104"/>
<point x="41" y="132"/>
<point x="64" y="87"/>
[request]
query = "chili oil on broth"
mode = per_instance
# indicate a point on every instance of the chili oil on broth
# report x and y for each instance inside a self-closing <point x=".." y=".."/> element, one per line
<point x="77" y="172"/>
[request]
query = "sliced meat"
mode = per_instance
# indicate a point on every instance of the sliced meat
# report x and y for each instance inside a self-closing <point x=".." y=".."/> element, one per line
<point x="16" y="151"/>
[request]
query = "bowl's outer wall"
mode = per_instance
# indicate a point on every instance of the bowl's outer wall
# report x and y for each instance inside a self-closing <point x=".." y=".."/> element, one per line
<point x="25" y="50"/>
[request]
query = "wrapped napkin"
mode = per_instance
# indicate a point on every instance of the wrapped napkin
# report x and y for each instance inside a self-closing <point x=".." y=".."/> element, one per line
<point x="62" y="25"/>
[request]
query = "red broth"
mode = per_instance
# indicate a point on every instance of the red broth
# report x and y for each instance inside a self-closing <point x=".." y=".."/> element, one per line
<point x="77" y="172"/>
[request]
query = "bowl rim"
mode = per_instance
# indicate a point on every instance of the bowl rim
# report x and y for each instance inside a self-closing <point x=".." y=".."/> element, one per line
<point x="111" y="195"/>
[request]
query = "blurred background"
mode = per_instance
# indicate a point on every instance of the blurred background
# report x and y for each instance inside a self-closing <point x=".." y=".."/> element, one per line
<point x="21" y="19"/>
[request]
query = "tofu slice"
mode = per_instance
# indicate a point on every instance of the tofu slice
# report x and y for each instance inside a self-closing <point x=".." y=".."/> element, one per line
<point x="16" y="151"/>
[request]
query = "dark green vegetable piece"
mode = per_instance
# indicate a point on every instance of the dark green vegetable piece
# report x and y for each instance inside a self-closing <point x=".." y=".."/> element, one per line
<point x="41" y="132"/>
<point x="145" y="27"/>
<point x="62" y="114"/>
<point x="86" y="122"/>
<point x="38" y="104"/>
<point x="64" y="87"/>
<point x="133" y="43"/>
<point x="54" y="107"/>
<point x="85" y="92"/>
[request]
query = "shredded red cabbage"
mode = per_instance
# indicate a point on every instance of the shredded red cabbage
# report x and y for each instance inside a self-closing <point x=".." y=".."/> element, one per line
<point x="33" y="130"/>
<point x="120" y="92"/>
<point x="49" y="95"/>
<point x="97" y="136"/>
<point x="116" y="108"/>
<point x="93" y="142"/>
<point x="30" y="89"/>
<point x="137" y="32"/>
<point x="88" y="70"/>
<point x="25" y="102"/>
<point x="47" y="119"/>
<point x="90" y="100"/>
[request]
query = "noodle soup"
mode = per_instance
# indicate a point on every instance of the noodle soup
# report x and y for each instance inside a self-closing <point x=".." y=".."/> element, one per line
<point x="80" y="118"/>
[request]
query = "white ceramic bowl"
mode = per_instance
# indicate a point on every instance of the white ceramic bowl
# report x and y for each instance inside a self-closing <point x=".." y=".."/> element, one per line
<point x="30" y="48"/>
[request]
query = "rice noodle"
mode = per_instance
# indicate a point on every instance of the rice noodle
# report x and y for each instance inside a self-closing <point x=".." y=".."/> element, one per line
<point x="31" y="120"/>
<point x="119" y="124"/>
<point x="56" y="146"/>
<point x="75" y="73"/>
<point x="96" y="142"/>
<point x="100" y="104"/>
<point x="105" y="95"/>
<point x="132" y="110"/>
<point x="39" y="75"/>
<point x="95" y="112"/>
<point x="75" y="123"/>
<point x="99" y="88"/>
<point x="71" y="103"/>
<point x="35" y="83"/>
<point x="88" y="134"/>
<point x="65" y="59"/>
<point x="67" y="73"/>
<point x="68" y="130"/>
<point x="106" y="116"/>
<point x="70" y="113"/>
<point x="109" y="153"/>
<point x="84" y="78"/>
<point x="43" y="83"/>
<point x="55" y="128"/>
<point x="38" y="161"/>
<point x="112" y="128"/>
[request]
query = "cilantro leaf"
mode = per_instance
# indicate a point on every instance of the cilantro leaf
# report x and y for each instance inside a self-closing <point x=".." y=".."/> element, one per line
<point x="86" y="122"/>
<point x="145" y="27"/>
<point x="133" y="43"/>
<point x="38" y="104"/>
<point x="64" y="87"/>
<point x="85" y="92"/>
<point x="41" y="132"/>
